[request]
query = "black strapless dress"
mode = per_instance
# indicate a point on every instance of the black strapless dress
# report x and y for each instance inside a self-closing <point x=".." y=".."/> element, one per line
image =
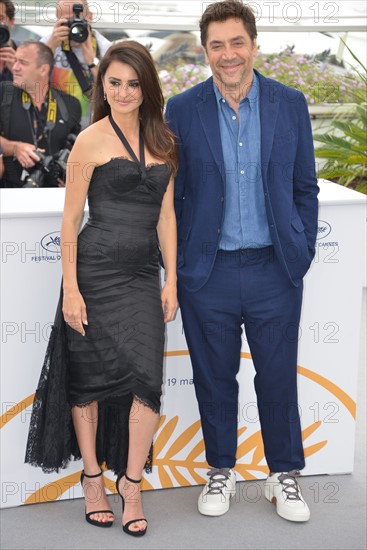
<point x="121" y="356"/>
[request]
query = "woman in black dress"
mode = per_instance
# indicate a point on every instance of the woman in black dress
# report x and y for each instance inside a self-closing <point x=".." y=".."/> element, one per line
<point x="110" y="334"/>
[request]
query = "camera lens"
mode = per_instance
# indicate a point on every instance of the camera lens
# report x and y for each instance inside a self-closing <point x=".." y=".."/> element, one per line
<point x="4" y="35"/>
<point x="78" y="32"/>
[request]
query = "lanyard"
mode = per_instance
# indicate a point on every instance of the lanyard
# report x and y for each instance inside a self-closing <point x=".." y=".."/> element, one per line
<point x="50" y="120"/>
<point x="65" y="46"/>
<point x="141" y="162"/>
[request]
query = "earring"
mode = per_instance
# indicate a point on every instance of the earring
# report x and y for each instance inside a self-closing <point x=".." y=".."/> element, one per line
<point x="104" y="95"/>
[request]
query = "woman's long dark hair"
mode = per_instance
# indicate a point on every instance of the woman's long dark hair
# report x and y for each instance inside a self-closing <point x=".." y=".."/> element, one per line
<point x="157" y="136"/>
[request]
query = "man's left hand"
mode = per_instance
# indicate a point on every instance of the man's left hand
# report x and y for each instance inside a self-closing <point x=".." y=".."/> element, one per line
<point x="87" y="46"/>
<point x="7" y="56"/>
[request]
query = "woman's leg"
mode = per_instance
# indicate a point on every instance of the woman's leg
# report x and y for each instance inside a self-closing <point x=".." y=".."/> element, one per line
<point x="85" y="421"/>
<point x="142" y="425"/>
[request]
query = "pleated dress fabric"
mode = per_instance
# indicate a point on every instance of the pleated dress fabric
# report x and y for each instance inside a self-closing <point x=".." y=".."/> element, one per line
<point x="121" y="356"/>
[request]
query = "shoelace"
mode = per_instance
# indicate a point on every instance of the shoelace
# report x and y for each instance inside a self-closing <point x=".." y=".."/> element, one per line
<point x="218" y="479"/>
<point x="290" y="486"/>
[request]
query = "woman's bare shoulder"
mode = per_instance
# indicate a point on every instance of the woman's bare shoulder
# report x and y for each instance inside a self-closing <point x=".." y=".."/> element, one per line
<point x="92" y="138"/>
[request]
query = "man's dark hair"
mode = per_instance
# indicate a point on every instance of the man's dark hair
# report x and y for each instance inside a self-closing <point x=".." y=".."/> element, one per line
<point x="229" y="9"/>
<point x="9" y="8"/>
<point x="44" y="53"/>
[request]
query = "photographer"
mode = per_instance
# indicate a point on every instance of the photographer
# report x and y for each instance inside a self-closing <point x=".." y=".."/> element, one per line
<point x="7" y="46"/>
<point x="75" y="61"/>
<point x="37" y="123"/>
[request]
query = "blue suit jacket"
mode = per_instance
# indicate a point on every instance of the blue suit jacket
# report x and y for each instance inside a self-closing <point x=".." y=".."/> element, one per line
<point x="288" y="173"/>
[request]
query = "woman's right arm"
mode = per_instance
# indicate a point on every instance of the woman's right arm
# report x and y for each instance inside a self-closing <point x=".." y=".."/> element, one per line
<point x="78" y="174"/>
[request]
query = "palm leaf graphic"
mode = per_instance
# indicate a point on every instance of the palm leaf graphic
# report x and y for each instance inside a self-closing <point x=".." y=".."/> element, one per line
<point x="168" y="466"/>
<point x="312" y="449"/>
<point x="310" y="430"/>
<point x="197" y="450"/>
<point x="164" y="478"/>
<point x="252" y="443"/>
<point x="53" y="491"/>
<point x="181" y="480"/>
<point x="161" y="421"/>
<point x="183" y="439"/>
<point x="146" y="486"/>
<point x="165" y="434"/>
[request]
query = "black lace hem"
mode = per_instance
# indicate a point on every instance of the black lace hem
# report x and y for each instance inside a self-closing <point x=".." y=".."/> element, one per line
<point x="52" y="441"/>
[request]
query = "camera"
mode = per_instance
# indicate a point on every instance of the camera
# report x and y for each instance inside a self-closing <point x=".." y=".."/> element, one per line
<point x="4" y="35"/>
<point x="50" y="168"/>
<point x="79" y="26"/>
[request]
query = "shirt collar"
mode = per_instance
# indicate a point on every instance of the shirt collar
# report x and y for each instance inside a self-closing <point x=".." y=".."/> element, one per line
<point x="252" y="95"/>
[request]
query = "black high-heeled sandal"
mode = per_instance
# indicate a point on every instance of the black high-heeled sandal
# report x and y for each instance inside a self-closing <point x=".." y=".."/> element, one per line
<point x="88" y="516"/>
<point x="125" y="527"/>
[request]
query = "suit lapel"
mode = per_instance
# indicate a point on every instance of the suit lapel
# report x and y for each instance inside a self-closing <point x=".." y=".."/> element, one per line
<point x="208" y="114"/>
<point x="269" y="107"/>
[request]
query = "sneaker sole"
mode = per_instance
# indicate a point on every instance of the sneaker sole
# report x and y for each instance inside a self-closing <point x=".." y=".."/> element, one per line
<point x="213" y="512"/>
<point x="204" y="512"/>
<point x="284" y="515"/>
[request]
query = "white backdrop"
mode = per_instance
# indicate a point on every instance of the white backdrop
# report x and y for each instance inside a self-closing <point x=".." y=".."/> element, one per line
<point x="328" y="356"/>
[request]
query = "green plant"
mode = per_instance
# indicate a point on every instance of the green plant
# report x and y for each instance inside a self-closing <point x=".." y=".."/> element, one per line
<point x="345" y="144"/>
<point x="315" y="76"/>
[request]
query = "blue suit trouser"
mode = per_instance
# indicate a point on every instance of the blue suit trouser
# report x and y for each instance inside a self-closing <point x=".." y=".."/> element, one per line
<point x="246" y="288"/>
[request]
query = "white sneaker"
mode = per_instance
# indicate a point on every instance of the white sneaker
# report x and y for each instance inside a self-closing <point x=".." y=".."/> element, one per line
<point x="283" y="490"/>
<point x="215" y="497"/>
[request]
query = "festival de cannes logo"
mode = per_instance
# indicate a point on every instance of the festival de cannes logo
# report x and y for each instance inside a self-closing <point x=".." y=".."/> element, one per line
<point x="51" y="242"/>
<point x="323" y="230"/>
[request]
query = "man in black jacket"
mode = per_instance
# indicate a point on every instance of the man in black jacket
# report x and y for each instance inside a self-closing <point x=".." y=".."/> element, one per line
<point x="7" y="50"/>
<point x="34" y="117"/>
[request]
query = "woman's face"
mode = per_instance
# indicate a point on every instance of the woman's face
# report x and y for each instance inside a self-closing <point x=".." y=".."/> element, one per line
<point x="122" y="87"/>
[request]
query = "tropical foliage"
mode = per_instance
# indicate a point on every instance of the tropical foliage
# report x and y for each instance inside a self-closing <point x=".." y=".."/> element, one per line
<point x="345" y="144"/>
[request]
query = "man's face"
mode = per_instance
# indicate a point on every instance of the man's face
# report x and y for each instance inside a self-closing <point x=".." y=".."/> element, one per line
<point x="230" y="53"/>
<point x="4" y="18"/>
<point x="26" y="72"/>
<point x="64" y="9"/>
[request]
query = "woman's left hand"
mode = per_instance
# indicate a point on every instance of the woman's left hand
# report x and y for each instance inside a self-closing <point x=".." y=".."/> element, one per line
<point x="169" y="301"/>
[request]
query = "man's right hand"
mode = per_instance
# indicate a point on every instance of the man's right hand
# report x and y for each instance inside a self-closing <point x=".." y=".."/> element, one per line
<point x="7" y="57"/>
<point x="59" y="34"/>
<point x="26" y="155"/>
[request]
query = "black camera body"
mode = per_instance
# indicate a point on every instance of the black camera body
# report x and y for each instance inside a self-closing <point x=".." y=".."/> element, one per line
<point x="50" y="168"/>
<point x="79" y="26"/>
<point x="4" y="35"/>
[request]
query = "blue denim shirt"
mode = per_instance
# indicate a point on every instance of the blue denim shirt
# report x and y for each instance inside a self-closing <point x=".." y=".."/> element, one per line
<point x="245" y="222"/>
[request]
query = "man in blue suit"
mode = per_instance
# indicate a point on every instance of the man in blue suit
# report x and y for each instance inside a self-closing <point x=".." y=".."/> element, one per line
<point x="246" y="206"/>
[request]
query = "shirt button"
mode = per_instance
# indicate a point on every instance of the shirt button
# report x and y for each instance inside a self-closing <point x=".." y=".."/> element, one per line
<point x="234" y="117"/>
<point x="218" y="230"/>
<point x="241" y="144"/>
<point x="223" y="100"/>
<point x="242" y="172"/>
<point x="222" y="199"/>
